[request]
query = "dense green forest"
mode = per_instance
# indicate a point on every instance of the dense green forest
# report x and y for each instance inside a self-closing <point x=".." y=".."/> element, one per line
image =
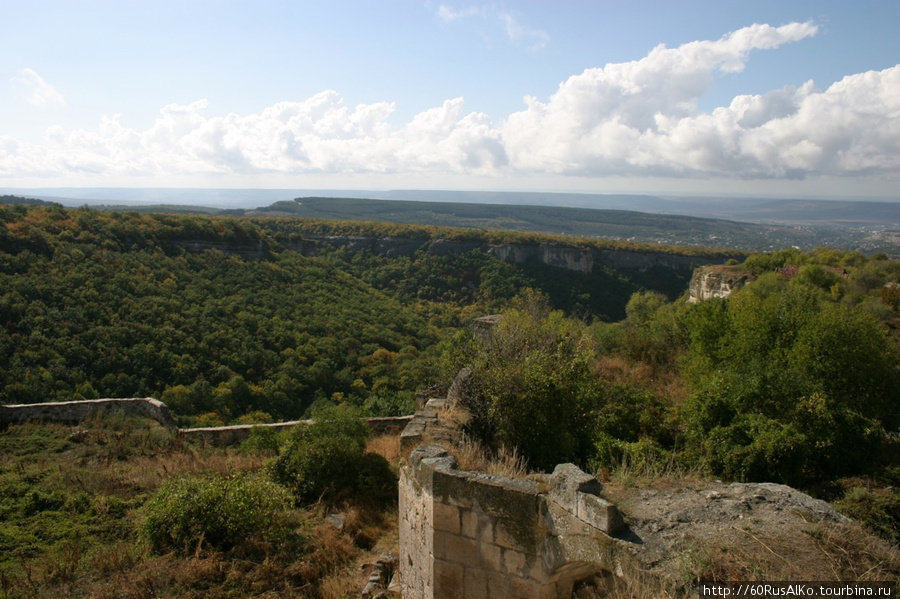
<point x="111" y="304"/>
<point x="791" y="379"/>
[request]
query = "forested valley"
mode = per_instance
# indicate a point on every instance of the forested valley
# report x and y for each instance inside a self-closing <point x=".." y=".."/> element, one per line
<point x="794" y="378"/>
<point x="110" y="304"/>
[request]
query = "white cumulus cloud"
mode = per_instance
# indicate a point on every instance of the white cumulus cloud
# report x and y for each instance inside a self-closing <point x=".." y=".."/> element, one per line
<point x="32" y="88"/>
<point x="639" y="118"/>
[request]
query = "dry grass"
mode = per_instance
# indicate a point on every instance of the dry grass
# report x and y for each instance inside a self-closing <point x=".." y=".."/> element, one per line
<point x="452" y="415"/>
<point x="838" y="552"/>
<point x="387" y="446"/>
<point x="659" y="475"/>
<point x="472" y="455"/>
<point x="658" y="381"/>
<point x="824" y="552"/>
<point x="315" y="558"/>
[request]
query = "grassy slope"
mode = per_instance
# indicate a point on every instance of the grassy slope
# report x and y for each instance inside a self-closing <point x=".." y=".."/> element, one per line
<point x="70" y="511"/>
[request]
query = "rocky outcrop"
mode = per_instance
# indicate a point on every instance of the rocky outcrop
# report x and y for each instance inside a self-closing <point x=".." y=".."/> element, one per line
<point x="569" y="258"/>
<point x="717" y="281"/>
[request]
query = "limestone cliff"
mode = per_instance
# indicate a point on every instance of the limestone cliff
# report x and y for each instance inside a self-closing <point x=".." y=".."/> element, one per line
<point x="575" y="258"/>
<point x="717" y="281"/>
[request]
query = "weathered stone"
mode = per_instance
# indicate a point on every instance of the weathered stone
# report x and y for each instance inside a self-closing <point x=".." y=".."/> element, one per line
<point x="717" y="281"/>
<point x="599" y="512"/>
<point x="497" y="537"/>
<point x="569" y="479"/>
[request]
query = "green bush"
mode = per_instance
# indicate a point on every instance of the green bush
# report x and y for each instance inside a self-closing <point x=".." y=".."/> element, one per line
<point x="633" y="429"/>
<point x="327" y="459"/>
<point x="214" y="510"/>
<point x="532" y="384"/>
<point x="787" y="384"/>
<point x="756" y="448"/>
<point x="878" y="509"/>
<point x="262" y="440"/>
<point x="644" y="455"/>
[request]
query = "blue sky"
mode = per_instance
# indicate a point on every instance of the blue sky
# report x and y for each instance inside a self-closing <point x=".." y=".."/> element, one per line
<point x="797" y="98"/>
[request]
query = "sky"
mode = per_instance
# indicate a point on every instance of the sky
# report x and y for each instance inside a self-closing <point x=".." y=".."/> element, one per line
<point x="796" y="98"/>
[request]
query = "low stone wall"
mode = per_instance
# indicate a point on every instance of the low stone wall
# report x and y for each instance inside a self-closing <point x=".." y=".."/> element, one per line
<point x="76" y="411"/>
<point x="479" y="536"/>
<point x="147" y="407"/>
<point x="232" y="435"/>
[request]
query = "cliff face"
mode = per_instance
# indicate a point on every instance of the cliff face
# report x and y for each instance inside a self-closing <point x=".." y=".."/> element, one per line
<point x="249" y="250"/>
<point x="561" y="257"/>
<point x="568" y="257"/>
<point x="717" y="281"/>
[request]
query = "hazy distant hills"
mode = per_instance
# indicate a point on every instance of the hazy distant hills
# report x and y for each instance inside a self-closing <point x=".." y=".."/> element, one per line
<point x="775" y="211"/>
<point x="742" y="223"/>
<point x="629" y="225"/>
<point x="582" y="222"/>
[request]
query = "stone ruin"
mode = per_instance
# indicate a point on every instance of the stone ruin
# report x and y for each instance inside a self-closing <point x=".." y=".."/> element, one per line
<point x="480" y="536"/>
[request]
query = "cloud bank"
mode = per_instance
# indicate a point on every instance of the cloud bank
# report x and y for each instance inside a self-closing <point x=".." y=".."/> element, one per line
<point x="639" y="118"/>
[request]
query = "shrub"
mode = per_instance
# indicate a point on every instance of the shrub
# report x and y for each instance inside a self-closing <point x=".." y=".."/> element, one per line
<point x="878" y="509"/>
<point x="216" y="510"/>
<point x="532" y="386"/>
<point x="327" y="459"/>
<point x="788" y="385"/>
<point x="262" y="440"/>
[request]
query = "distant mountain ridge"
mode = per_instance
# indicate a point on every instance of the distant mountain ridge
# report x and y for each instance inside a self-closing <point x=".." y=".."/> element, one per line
<point x="623" y="225"/>
<point x="756" y="224"/>
<point x="752" y="209"/>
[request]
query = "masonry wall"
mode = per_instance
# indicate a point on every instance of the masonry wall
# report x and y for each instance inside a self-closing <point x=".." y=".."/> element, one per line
<point x="147" y="407"/>
<point x="76" y="411"/>
<point x="232" y="435"/>
<point x="472" y="535"/>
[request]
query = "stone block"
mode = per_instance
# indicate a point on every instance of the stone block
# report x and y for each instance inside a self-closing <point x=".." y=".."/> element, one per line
<point x="515" y="562"/>
<point x="448" y="579"/>
<point x="490" y="556"/>
<point x="454" y="548"/>
<point x="475" y="581"/>
<point x="446" y="518"/>
<point x="599" y="513"/>
<point x="498" y="585"/>
<point x="522" y="588"/>
<point x="503" y="538"/>
<point x="469" y="524"/>
<point x="567" y="481"/>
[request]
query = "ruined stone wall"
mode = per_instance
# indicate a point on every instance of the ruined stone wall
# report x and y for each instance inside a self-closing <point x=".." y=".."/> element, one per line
<point x="480" y="536"/>
<point x="147" y="407"/>
<point x="76" y="411"/>
<point x="232" y="435"/>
